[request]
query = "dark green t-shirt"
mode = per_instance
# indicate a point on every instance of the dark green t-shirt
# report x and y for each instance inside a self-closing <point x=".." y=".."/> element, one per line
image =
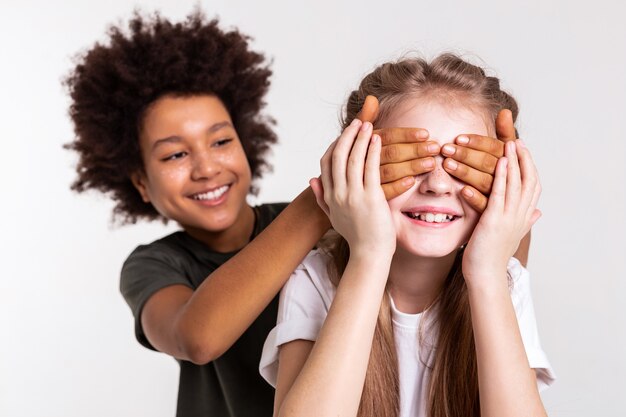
<point x="230" y="385"/>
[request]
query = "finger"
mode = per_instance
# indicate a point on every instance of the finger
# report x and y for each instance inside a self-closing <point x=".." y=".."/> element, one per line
<point x="476" y="199"/>
<point x="477" y="179"/>
<point x="479" y="160"/>
<point x="481" y="143"/>
<point x="395" y="188"/>
<point x="339" y="157"/>
<point x="531" y="187"/>
<point x="400" y="152"/>
<point x="369" y="111"/>
<point x="393" y="172"/>
<point x="356" y="160"/>
<point x="513" y="178"/>
<point x="318" y="191"/>
<point x="498" y="192"/>
<point x="505" y="128"/>
<point x="372" y="163"/>
<point x="536" y="216"/>
<point x="391" y="135"/>
<point x="326" y="171"/>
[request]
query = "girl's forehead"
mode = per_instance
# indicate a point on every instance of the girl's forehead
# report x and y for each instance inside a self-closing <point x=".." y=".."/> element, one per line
<point x="444" y="121"/>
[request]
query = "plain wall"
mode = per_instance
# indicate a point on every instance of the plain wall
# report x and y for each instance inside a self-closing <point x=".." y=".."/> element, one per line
<point x="67" y="346"/>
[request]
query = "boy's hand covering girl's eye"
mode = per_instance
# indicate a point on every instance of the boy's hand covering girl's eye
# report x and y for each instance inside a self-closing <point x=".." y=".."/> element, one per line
<point x="350" y="193"/>
<point x="472" y="159"/>
<point x="405" y="152"/>
<point x="510" y="213"/>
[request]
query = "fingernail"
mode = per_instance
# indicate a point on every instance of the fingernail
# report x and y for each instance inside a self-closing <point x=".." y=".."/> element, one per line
<point x="355" y="122"/>
<point x="447" y="149"/>
<point x="375" y="138"/>
<point x="428" y="163"/>
<point x="366" y="126"/>
<point x="521" y="143"/>
<point x="433" y="148"/>
<point x="451" y="164"/>
<point x="468" y="193"/>
<point x="408" y="181"/>
<point x="422" y="134"/>
<point x="462" y="140"/>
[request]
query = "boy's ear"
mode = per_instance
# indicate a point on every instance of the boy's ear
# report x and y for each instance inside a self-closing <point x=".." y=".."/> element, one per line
<point x="139" y="181"/>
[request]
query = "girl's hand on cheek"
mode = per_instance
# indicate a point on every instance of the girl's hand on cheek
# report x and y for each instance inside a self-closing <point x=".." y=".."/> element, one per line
<point x="511" y="212"/>
<point x="349" y="192"/>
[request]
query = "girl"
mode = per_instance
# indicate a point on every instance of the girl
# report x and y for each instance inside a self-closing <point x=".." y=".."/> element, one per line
<point x="455" y="334"/>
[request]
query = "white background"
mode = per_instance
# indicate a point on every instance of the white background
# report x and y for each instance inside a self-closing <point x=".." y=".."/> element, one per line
<point x="67" y="346"/>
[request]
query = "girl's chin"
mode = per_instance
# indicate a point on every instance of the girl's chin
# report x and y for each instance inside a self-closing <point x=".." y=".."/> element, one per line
<point x="428" y="251"/>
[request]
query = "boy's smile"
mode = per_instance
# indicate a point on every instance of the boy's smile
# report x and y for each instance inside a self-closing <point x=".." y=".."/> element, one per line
<point x="195" y="170"/>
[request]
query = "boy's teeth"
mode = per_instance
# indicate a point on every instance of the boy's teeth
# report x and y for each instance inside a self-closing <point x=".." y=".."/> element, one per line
<point x="212" y="195"/>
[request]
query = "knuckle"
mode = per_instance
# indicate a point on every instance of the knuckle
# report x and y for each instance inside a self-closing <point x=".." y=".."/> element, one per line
<point x="494" y="147"/>
<point x="417" y="166"/>
<point x="488" y="164"/>
<point x="386" y="172"/>
<point x="485" y="183"/>
<point x="390" y="153"/>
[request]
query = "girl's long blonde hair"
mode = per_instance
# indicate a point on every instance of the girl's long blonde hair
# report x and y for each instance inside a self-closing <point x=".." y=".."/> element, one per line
<point x="453" y="387"/>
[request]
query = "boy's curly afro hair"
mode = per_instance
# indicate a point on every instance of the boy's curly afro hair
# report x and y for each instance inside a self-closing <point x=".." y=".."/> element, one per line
<point x="113" y="84"/>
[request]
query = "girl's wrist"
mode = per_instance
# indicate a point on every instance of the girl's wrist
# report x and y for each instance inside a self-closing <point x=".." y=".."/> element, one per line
<point x="487" y="280"/>
<point x="372" y="252"/>
<point x="373" y="259"/>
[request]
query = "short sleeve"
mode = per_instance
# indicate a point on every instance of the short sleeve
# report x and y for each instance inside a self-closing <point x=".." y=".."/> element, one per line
<point x="303" y="306"/>
<point x="145" y="272"/>
<point x="525" y="312"/>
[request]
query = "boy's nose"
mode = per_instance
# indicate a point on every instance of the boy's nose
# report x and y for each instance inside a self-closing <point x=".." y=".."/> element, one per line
<point x="437" y="181"/>
<point x="204" y="166"/>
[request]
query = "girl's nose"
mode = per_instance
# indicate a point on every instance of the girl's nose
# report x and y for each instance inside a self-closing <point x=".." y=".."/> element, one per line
<point x="438" y="181"/>
<point x="205" y="166"/>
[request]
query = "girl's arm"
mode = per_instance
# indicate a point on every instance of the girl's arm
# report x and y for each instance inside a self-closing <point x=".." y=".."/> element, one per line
<point x="328" y="378"/>
<point x="507" y="384"/>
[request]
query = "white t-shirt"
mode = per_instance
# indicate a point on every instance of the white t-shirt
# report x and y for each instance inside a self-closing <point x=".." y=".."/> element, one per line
<point x="305" y="301"/>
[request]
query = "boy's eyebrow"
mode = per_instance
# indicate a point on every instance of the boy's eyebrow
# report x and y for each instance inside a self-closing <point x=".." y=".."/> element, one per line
<point x="175" y="139"/>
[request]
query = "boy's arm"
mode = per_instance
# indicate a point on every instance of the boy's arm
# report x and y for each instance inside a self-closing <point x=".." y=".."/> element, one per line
<point x="201" y="325"/>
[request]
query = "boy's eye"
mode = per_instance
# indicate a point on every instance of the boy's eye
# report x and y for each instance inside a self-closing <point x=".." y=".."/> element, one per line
<point x="222" y="142"/>
<point x="174" y="156"/>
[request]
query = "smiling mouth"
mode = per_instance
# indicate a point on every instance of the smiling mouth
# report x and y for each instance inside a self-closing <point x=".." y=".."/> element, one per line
<point x="431" y="217"/>
<point x="211" y="195"/>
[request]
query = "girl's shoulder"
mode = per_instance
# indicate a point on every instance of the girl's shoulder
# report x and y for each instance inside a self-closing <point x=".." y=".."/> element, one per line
<point x="310" y="283"/>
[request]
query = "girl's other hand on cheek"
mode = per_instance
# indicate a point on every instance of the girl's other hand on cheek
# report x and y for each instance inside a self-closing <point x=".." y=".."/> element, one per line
<point x="511" y="212"/>
<point x="349" y="191"/>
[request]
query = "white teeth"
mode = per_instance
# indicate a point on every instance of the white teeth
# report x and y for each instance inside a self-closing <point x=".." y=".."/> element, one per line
<point x="433" y="217"/>
<point x="212" y="195"/>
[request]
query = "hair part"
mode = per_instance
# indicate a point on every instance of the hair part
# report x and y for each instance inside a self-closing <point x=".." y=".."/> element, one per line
<point x="114" y="83"/>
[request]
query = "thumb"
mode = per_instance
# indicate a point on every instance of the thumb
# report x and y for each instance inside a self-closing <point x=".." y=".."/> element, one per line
<point x="318" y="191"/>
<point x="504" y="126"/>
<point x="369" y="111"/>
